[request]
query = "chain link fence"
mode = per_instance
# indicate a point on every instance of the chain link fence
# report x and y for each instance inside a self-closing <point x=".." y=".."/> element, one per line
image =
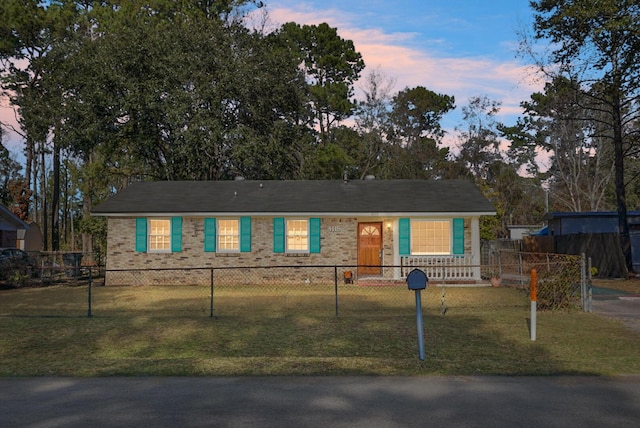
<point x="564" y="280"/>
<point x="40" y="269"/>
<point x="278" y="291"/>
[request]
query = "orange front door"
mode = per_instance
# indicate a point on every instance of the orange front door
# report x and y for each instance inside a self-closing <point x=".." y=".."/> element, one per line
<point x="369" y="248"/>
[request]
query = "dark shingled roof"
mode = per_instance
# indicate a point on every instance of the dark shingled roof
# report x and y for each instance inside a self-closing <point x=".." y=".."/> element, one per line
<point x="300" y="196"/>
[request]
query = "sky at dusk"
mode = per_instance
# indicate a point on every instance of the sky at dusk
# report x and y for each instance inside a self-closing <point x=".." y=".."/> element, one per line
<point x="463" y="48"/>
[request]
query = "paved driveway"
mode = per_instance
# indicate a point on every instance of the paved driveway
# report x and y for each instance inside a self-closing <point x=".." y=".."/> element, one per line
<point x="618" y="305"/>
<point x="369" y="402"/>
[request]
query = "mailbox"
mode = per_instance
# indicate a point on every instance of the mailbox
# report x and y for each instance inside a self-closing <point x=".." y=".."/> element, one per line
<point x="417" y="280"/>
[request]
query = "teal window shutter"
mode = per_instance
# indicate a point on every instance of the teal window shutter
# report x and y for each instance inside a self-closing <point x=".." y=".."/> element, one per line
<point x="458" y="236"/>
<point x="278" y="235"/>
<point x="245" y="234"/>
<point x="176" y="234"/>
<point x="209" y="235"/>
<point x="141" y="235"/>
<point x="404" y="236"/>
<point x="314" y="235"/>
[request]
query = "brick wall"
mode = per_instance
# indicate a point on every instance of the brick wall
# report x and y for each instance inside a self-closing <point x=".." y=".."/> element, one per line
<point x="338" y="247"/>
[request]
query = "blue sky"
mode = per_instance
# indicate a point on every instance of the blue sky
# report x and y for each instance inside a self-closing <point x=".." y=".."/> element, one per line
<point x="463" y="48"/>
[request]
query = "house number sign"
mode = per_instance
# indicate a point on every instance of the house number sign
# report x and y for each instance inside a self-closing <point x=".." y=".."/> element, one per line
<point x="334" y="228"/>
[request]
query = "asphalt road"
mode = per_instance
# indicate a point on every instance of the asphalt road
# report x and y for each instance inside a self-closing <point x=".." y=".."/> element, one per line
<point x="369" y="402"/>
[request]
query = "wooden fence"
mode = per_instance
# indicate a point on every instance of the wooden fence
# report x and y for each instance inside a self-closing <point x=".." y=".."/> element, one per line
<point x="602" y="248"/>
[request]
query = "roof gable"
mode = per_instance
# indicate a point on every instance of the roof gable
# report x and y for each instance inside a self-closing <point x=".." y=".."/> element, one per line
<point x="10" y="220"/>
<point x="329" y="197"/>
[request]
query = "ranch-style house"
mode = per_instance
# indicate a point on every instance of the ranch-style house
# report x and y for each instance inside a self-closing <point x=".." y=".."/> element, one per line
<point x="373" y="228"/>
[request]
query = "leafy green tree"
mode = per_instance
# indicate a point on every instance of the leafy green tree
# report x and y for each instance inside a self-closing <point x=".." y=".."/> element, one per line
<point x="9" y="171"/>
<point x="415" y="134"/>
<point x="129" y="85"/>
<point x="596" y="43"/>
<point x="581" y="168"/>
<point x="372" y="125"/>
<point x="479" y="137"/>
<point x="331" y="161"/>
<point x="167" y="91"/>
<point x="28" y="30"/>
<point x="26" y="33"/>
<point x="484" y="158"/>
<point x="523" y="147"/>
<point x="273" y="138"/>
<point x="331" y="66"/>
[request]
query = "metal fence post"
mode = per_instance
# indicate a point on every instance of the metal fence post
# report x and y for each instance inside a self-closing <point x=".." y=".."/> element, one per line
<point x="583" y="283"/>
<point x="548" y="263"/>
<point x="211" y="295"/>
<point x="590" y="286"/>
<point x="335" y="285"/>
<point x="520" y="269"/>
<point x="89" y="315"/>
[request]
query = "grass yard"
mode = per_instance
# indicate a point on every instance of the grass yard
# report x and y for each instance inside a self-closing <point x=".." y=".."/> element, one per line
<point x="257" y="331"/>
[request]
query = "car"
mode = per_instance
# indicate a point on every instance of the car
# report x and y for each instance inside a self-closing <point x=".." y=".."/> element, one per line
<point x="15" y="260"/>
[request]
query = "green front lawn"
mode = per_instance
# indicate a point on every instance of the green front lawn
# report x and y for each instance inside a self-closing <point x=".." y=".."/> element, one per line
<point x="484" y="332"/>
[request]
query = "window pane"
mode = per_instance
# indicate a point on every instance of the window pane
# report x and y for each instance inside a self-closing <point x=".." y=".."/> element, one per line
<point x="297" y="235"/>
<point x="159" y="235"/>
<point x="370" y="231"/>
<point x="228" y="235"/>
<point x="430" y="237"/>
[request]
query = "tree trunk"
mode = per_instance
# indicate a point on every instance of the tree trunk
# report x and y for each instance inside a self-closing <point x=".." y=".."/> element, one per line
<point x="28" y="171"/>
<point x="43" y="193"/>
<point x="621" y="198"/>
<point x="55" y="200"/>
<point x="87" y="239"/>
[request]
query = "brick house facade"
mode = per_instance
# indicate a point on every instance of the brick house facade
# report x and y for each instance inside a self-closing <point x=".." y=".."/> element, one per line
<point x="244" y="224"/>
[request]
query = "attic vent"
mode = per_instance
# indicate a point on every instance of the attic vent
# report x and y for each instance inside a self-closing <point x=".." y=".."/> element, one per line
<point x="239" y="178"/>
<point x="369" y="177"/>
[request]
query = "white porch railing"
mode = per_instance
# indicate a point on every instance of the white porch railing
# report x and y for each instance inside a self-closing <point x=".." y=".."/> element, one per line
<point x="443" y="268"/>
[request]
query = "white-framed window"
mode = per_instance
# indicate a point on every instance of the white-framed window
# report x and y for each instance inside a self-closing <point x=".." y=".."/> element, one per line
<point x="159" y="235"/>
<point x="297" y="236"/>
<point x="430" y="237"/>
<point x="229" y="235"/>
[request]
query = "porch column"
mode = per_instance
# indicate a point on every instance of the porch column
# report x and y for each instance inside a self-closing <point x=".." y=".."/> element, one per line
<point x="475" y="247"/>
<point x="396" y="249"/>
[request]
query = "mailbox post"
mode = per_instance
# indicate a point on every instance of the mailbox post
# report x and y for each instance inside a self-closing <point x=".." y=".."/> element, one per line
<point x="417" y="280"/>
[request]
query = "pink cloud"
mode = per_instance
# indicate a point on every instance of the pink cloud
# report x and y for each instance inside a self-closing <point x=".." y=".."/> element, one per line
<point x="393" y="54"/>
<point x="397" y="57"/>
